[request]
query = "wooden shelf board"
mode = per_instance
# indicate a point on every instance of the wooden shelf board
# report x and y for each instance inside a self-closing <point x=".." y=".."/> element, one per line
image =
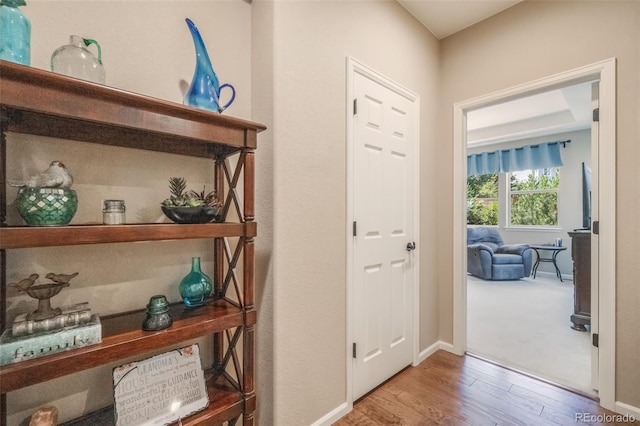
<point x="75" y="109"/>
<point x="225" y="403"/>
<point x="13" y="237"/>
<point x="123" y="337"/>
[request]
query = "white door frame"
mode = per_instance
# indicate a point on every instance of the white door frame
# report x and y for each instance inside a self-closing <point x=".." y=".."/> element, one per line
<point x="605" y="72"/>
<point x="353" y="67"/>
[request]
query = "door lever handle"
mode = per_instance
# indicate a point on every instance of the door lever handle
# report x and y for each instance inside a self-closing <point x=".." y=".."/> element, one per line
<point x="411" y="246"/>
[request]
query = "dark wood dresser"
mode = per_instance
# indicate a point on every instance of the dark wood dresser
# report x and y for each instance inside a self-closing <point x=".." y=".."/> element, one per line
<point x="581" y="254"/>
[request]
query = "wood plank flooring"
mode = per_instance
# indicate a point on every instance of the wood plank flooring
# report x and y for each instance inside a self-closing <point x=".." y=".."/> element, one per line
<point x="447" y="389"/>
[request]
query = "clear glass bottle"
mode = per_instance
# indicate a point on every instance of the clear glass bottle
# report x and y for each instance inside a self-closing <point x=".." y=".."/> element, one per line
<point x="113" y="212"/>
<point x="15" y="33"/>
<point x="196" y="287"/>
<point x="75" y="60"/>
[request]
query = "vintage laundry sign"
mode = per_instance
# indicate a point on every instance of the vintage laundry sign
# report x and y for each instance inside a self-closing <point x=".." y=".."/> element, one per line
<point x="161" y="389"/>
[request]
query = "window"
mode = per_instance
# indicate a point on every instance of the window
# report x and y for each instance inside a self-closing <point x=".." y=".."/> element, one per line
<point x="533" y="197"/>
<point x="482" y="200"/>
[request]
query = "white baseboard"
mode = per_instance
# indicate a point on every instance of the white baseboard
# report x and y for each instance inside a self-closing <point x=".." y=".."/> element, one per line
<point x="436" y="347"/>
<point x="334" y="415"/>
<point x="630" y="410"/>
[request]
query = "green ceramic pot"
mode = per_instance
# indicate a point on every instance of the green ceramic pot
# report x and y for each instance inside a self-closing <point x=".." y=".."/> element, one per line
<point x="47" y="206"/>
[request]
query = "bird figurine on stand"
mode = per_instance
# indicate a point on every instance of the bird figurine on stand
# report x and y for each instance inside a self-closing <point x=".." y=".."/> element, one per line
<point x="43" y="293"/>
<point x="56" y="176"/>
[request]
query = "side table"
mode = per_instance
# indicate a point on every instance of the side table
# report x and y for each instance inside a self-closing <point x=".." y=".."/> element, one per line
<point x="554" y="254"/>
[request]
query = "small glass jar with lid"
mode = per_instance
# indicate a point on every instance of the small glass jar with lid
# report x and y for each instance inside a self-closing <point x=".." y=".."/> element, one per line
<point x="113" y="212"/>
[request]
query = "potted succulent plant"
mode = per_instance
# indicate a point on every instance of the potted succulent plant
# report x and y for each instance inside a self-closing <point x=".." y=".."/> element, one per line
<point x="190" y="206"/>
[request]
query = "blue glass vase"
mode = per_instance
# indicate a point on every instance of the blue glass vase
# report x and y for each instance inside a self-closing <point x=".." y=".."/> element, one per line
<point x="204" y="91"/>
<point x="15" y="33"/>
<point x="196" y="287"/>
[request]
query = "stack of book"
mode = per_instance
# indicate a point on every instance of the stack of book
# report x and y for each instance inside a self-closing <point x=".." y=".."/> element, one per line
<point x="75" y="327"/>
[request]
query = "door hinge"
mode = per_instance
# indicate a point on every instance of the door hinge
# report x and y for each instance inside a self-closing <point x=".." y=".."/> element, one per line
<point x="355" y="106"/>
<point x="596" y="114"/>
<point x="596" y="227"/>
<point x="594" y="340"/>
<point x="354" y="350"/>
<point x="355" y="228"/>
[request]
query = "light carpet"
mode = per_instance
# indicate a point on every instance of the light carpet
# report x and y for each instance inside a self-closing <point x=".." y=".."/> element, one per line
<point x="525" y="324"/>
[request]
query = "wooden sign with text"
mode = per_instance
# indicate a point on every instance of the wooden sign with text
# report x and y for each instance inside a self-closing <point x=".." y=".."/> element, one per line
<point x="161" y="389"/>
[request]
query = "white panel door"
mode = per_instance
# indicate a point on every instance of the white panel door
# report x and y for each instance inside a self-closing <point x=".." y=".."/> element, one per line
<point x="383" y="206"/>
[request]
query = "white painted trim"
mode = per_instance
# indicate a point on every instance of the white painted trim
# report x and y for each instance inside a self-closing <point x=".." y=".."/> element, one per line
<point x="605" y="71"/>
<point x="439" y="345"/>
<point x="350" y="321"/>
<point x="623" y="408"/>
<point x="334" y="415"/>
<point x="415" y="255"/>
<point x="607" y="236"/>
<point x="459" y="273"/>
<point x="353" y="67"/>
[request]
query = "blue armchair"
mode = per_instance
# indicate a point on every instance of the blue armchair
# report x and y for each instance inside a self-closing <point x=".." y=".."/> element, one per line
<point x="490" y="259"/>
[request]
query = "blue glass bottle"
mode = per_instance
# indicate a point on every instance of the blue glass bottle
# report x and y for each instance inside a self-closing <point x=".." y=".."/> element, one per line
<point x="196" y="287"/>
<point x="15" y="33"/>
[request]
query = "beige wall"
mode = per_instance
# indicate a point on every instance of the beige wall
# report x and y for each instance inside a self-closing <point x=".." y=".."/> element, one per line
<point x="287" y="61"/>
<point x="533" y="40"/>
<point x="311" y="43"/>
<point x="262" y="111"/>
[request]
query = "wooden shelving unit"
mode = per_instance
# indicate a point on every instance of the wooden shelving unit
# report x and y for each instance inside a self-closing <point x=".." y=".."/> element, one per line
<point x="42" y="103"/>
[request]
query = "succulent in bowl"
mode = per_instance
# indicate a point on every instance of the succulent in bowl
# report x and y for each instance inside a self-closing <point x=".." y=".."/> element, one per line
<point x="190" y="206"/>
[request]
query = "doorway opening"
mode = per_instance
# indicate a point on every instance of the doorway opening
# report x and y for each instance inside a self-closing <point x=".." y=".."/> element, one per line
<point x="603" y="202"/>
<point x="525" y="322"/>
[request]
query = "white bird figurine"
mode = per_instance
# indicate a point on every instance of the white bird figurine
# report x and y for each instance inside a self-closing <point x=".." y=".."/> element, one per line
<point x="56" y="176"/>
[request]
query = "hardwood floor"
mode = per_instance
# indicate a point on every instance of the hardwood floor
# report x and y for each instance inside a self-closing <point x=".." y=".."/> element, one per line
<point x="447" y="389"/>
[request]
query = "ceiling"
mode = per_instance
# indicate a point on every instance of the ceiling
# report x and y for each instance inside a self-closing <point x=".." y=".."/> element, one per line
<point x="445" y="17"/>
<point x="558" y="111"/>
<point x="562" y="110"/>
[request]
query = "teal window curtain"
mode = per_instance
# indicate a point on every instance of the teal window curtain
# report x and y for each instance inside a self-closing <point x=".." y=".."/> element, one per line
<point x="528" y="157"/>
